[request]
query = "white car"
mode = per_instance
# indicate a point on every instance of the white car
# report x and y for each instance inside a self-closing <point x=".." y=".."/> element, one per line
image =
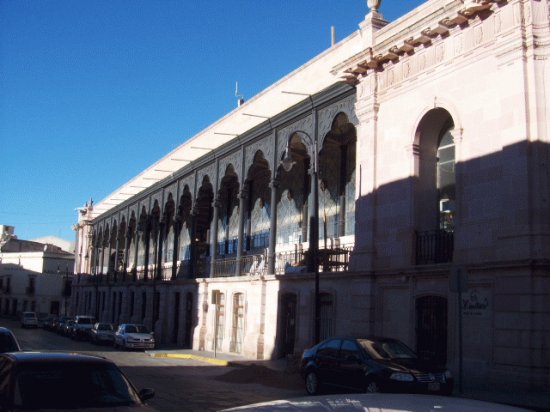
<point x="379" y="402"/>
<point x="29" y="320"/>
<point x="134" y="336"/>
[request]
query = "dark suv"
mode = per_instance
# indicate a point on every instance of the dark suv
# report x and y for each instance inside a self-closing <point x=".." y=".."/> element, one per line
<point x="371" y="365"/>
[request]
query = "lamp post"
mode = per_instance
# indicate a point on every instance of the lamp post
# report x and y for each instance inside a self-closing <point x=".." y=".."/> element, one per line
<point x="313" y="261"/>
<point x="66" y="287"/>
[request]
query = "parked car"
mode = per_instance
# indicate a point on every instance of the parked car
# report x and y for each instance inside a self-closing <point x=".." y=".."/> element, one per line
<point x="68" y="327"/>
<point x="47" y="322"/>
<point x="29" y="320"/>
<point x="8" y="341"/>
<point x="82" y="326"/>
<point x="371" y="365"/>
<point x="134" y="336"/>
<point x="54" y="380"/>
<point x="59" y="324"/>
<point x="102" y="332"/>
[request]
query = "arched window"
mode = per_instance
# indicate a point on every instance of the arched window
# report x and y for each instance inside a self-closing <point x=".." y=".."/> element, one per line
<point x="446" y="180"/>
<point x="435" y="192"/>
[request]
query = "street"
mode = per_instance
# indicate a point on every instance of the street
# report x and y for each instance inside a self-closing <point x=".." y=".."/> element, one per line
<point x="180" y="384"/>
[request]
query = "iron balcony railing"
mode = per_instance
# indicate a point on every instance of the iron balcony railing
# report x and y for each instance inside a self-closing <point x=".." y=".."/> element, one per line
<point x="335" y="259"/>
<point x="434" y="246"/>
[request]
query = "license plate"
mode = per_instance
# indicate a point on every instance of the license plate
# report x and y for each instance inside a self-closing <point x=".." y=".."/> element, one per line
<point x="434" y="386"/>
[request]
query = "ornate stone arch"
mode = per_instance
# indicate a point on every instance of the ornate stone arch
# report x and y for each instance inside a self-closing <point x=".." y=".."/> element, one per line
<point x="234" y="160"/>
<point x="264" y="145"/>
<point x="208" y="172"/>
<point x="304" y="125"/>
<point x="327" y="115"/>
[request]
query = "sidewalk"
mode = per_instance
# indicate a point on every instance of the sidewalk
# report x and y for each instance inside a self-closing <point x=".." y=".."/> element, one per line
<point x="219" y="358"/>
<point x="537" y="401"/>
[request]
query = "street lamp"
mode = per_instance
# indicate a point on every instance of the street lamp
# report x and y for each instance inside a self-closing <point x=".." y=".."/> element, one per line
<point x="312" y="265"/>
<point x="66" y="288"/>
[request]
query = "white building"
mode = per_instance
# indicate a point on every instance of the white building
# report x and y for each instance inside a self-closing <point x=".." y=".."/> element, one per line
<point x="422" y="146"/>
<point x="34" y="277"/>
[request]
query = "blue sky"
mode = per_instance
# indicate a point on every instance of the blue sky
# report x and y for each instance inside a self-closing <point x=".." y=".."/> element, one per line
<point x="93" y="92"/>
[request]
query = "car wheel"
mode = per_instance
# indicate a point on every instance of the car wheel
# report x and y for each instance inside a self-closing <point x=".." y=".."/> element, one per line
<point x="313" y="385"/>
<point x="372" y="387"/>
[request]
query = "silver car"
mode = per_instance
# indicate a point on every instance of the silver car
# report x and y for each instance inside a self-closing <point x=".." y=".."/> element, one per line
<point x="102" y="332"/>
<point x="29" y="320"/>
<point x="134" y="336"/>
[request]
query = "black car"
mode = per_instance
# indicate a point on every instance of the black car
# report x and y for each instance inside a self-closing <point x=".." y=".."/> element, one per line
<point x="8" y="341"/>
<point x="371" y="365"/>
<point x="56" y="380"/>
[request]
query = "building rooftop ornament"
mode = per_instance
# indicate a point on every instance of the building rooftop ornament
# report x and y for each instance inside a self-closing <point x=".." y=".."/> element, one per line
<point x="374" y="5"/>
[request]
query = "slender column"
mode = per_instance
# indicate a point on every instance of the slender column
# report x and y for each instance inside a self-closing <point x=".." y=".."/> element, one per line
<point x="177" y="230"/>
<point x="109" y="249"/>
<point x="248" y="218"/>
<point x="146" y="238"/>
<point x="243" y="195"/>
<point x="214" y="235"/>
<point x="136" y="250"/>
<point x="273" y="227"/>
<point x="342" y="190"/>
<point x="102" y="256"/>
<point x="193" y="245"/>
<point x="313" y="221"/>
<point x="115" y="265"/>
<point x="160" y="244"/>
<point x="128" y="240"/>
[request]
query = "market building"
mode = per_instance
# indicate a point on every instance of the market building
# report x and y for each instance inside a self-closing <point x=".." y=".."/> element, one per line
<point x="397" y="184"/>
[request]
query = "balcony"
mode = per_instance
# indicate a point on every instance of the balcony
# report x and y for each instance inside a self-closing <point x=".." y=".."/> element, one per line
<point x="434" y="246"/>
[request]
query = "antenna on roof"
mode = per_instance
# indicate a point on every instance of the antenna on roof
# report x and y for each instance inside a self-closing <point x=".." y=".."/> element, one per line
<point x="240" y="97"/>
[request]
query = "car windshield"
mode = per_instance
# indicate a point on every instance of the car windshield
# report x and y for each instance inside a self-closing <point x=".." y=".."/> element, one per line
<point x="387" y="349"/>
<point x="85" y="320"/>
<point x="105" y="326"/>
<point x="136" y="329"/>
<point x="72" y="385"/>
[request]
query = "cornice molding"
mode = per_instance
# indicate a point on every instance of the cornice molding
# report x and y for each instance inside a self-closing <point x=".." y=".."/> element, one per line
<point x="375" y="59"/>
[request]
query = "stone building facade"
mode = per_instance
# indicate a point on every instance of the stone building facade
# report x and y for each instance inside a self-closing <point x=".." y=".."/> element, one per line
<point x="34" y="277"/>
<point x="397" y="184"/>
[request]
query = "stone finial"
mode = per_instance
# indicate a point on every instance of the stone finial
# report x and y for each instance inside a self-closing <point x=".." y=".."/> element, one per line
<point x="374" y="5"/>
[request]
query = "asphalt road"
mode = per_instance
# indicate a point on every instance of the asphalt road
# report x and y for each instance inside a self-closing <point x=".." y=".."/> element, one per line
<point x="180" y="384"/>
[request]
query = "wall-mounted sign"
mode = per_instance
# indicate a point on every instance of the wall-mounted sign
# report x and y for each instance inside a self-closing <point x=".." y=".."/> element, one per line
<point x="475" y="302"/>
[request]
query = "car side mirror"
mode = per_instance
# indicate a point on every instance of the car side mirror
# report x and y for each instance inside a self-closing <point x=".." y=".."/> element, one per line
<point x="146" y="393"/>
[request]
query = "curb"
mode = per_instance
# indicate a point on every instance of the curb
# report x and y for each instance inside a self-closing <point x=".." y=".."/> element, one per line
<point x="215" y="361"/>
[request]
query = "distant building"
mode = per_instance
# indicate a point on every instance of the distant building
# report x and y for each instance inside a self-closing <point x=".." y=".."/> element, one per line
<point x="397" y="184"/>
<point x="34" y="276"/>
<point x="66" y="245"/>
